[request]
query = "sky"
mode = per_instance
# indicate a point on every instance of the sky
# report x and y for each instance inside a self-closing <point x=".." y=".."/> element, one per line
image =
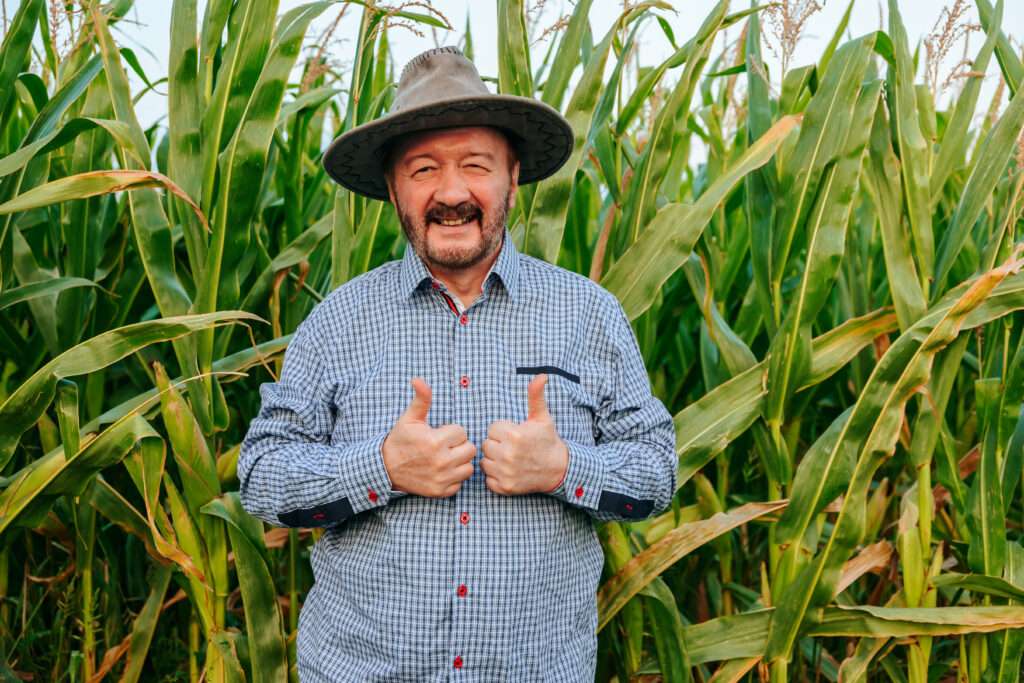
<point x="148" y="35"/>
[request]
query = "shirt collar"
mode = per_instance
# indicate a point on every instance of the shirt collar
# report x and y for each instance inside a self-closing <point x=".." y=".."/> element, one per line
<point x="413" y="272"/>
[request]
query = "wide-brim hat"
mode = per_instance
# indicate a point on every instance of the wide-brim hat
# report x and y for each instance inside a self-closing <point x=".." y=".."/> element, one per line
<point x="441" y="88"/>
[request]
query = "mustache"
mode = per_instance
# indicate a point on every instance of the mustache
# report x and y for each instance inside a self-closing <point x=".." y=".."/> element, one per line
<point x="462" y="211"/>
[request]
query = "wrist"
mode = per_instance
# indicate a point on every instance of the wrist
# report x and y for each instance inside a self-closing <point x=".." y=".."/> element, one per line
<point x="565" y="470"/>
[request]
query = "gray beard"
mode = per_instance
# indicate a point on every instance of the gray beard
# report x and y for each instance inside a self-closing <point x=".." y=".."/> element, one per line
<point x="493" y="232"/>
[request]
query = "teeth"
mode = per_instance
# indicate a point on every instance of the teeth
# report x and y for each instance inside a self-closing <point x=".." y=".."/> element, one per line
<point x="453" y="221"/>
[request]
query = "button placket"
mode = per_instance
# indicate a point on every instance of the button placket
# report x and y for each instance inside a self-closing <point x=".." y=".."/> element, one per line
<point x="463" y="360"/>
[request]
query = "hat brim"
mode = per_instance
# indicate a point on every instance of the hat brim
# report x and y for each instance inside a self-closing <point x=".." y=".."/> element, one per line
<point x="355" y="159"/>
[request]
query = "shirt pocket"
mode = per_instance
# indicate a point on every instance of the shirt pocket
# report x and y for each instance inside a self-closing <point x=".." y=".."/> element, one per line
<point x="569" y="403"/>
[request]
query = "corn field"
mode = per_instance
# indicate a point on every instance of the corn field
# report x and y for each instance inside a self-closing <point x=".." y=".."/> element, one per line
<point x="831" y="304"/>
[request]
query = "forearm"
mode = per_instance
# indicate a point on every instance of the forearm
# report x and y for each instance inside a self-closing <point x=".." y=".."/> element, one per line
<point x="294" y="483"/>
<point x="625" y="479"/>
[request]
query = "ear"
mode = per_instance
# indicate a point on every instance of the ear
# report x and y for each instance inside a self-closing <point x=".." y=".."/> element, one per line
<point x="513" y="185"/>
<point x="391" y="187"/>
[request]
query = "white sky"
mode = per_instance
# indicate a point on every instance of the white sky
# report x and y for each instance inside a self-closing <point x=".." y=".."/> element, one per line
<point x="149" y="37"/>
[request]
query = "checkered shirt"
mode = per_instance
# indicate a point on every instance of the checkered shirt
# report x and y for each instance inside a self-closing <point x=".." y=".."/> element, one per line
<point x="477" y="586"/>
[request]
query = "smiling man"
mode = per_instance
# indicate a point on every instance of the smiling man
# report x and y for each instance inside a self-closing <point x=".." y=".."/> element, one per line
<point x="456" y="420"/>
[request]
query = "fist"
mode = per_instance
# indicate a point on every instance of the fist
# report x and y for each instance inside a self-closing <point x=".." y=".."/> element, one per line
<point x="422" y="460"/>
<point x="529" y="457"/>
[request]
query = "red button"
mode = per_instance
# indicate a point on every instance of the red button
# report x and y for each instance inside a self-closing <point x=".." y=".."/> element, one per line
<point x="629" y="507"/>
<point x="373" y="496"/>
<point x="463" y="319"/>
<point x="318" y="516"/>
<point x="579" y="492"/>
<point x="435" y="285"/>
<point x="464" y="381"/>
<point x="458" y="662"/>
<point x="464" y="518"/>
<point x="462" y="591"/>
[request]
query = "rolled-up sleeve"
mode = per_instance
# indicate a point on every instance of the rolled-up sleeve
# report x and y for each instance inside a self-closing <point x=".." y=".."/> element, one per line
<point x="290" y="472"/>
<point x="630" y="472"/>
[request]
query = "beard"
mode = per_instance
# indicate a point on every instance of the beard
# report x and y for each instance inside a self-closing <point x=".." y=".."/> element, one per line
<point x="492" y="232"/>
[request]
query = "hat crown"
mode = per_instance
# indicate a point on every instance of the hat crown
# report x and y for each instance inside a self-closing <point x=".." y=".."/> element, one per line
<point x="438" y="74"/>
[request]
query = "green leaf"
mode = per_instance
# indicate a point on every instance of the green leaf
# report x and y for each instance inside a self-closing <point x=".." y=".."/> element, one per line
<point x="514" y="72"/>
<point x="990" y="166"/>
<point x="956" y="137"/>
<point x="26" y="403"/>
<point x="650" y="167"/>
<point x="883" y="181"/>
<point x="788" y="358"/>
<point x="145" y="625"/>
<point x="242" y="164"/>
<point x="89" y="185"/>
<point x="33" y="490"/>
<point x="16" y="45"/>
<point x="249" y="35"/>
<point x="667" y="242"/>
<point x="644" y="567"/>
<point x="547" y="215"/>
<point x="262" y="613"/>
<point x="1009" y="60"/>
<point x="868" y="437"/>
<point x="822" y="141"/>
<point x="707" y="426"/>
<point x="567" y="56"/>
<point x="35" y="290"/>
<point x="906" y="132"/>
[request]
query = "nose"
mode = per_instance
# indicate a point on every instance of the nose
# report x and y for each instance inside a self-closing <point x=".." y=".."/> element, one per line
<point x="451" y="188"/>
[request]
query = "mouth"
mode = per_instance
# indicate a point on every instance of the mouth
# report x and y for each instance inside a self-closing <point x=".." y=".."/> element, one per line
<point x="452" y="222"/>
<point x="453" y="217"/>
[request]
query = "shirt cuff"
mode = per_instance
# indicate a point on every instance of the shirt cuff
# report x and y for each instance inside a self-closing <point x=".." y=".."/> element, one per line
<point x="583" y="478"/>
<point x="366" y="480"/>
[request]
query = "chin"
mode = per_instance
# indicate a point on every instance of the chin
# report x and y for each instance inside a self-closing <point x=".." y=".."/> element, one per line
<point x="455" y="258"/>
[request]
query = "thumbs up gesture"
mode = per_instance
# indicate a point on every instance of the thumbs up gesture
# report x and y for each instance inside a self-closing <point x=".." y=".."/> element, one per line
<point x="422" y="460"/>
<point x="529" y="457"/>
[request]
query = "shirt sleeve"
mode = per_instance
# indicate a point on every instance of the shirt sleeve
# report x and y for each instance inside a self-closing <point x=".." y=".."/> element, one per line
<point x="631" y="471"/>
<point x="290" y="473"/>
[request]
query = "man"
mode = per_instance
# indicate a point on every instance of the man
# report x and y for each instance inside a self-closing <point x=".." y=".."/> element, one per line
<point x="456" y="419"/>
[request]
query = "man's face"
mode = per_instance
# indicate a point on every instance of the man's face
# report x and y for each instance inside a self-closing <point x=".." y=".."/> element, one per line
<point x="453" y="189"/>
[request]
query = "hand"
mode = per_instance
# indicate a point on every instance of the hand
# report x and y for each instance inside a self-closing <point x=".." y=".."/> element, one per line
<point x="528" y="457"/>
<point x="422" y="460"/>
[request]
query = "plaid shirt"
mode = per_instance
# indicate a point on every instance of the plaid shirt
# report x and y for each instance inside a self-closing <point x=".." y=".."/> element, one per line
<point x="477" y="586"/>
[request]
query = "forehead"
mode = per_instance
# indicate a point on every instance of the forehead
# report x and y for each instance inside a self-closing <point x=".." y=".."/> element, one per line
<point x="451" y="141"/>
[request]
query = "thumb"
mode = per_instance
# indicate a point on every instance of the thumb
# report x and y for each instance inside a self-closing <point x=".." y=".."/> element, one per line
<point x="420" y="404"/>
<point x="538" y="405"/>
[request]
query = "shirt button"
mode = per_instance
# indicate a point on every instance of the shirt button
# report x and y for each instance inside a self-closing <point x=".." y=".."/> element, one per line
<point x="464" y="381"/>
<point x="458" y="662"/>
<point x="579" y="492"/>
<point x="462" y="591"/>
<point x="435" y="285"/>
<point x="373" y="496"/>
<point x="464" y="518"/>
<point x="463" y="319"/>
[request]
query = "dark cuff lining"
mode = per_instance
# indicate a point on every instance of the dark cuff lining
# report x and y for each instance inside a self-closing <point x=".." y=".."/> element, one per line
<point x="318" y="516"/>
<point x="624" y="505"/>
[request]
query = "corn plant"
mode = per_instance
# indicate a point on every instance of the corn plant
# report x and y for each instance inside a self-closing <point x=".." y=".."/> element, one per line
<point x="827" y="301"/>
